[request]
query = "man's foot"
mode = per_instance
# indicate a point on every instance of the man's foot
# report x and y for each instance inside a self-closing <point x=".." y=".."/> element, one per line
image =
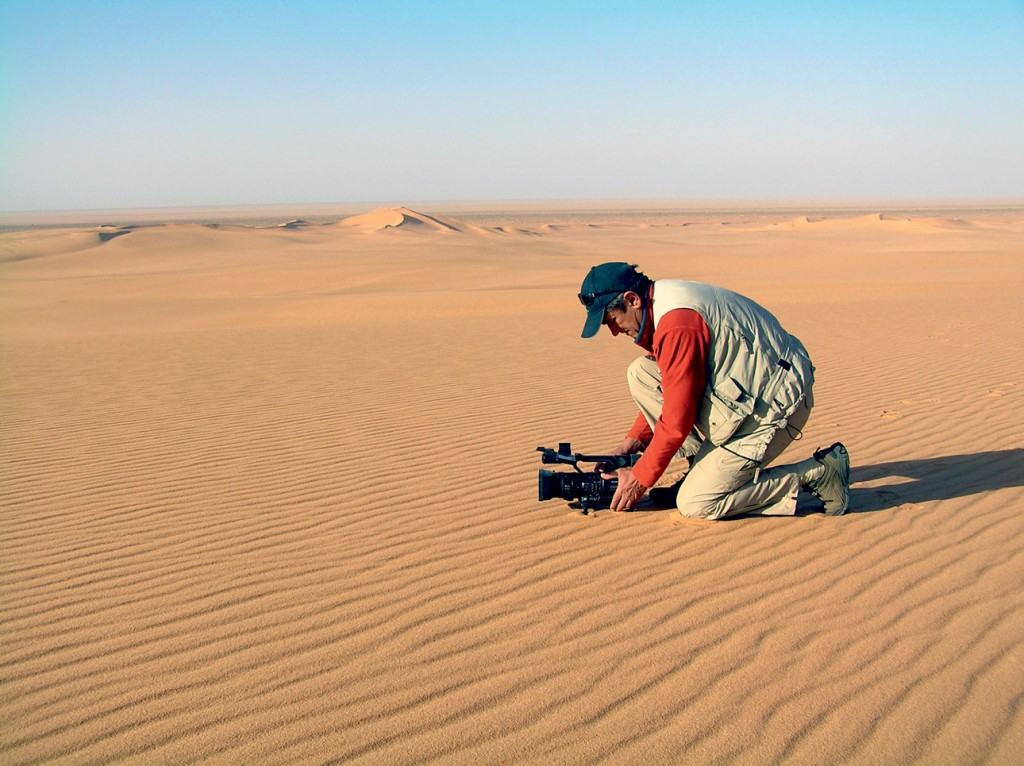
<point x="833" y="487"/>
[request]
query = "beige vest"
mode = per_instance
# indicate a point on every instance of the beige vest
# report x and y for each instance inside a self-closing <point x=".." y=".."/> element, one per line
<point x="757" y="372"/>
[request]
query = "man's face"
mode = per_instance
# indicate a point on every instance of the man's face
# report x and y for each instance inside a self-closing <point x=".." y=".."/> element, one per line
<point x="627" y="320"/>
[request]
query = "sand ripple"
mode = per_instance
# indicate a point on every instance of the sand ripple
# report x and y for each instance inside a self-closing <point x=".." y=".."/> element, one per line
<point x="278" y="506"/>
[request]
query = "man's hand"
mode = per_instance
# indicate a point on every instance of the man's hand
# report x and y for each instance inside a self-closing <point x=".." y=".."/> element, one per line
<point x="628" y="492"/>
<point x="627" y="447"/>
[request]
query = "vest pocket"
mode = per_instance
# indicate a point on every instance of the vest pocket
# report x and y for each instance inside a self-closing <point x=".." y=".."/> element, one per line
<point x="730" y="405"/>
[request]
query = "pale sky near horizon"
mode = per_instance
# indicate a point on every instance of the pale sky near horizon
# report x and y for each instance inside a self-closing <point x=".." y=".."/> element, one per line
<point x="128" y="104"/>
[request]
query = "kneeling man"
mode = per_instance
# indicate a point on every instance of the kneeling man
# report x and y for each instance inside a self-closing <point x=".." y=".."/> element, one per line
<point x="724" y="385"/>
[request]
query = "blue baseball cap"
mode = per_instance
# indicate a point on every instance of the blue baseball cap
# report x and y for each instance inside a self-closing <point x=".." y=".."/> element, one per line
<point x="600" y="287"/>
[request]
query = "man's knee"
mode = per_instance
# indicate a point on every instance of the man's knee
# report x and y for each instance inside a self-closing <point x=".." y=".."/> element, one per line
<point x="634" y="372"/>
<point x="699" y="507"/>
<point x="641" y="378"/>
<point x="715" y="476"/>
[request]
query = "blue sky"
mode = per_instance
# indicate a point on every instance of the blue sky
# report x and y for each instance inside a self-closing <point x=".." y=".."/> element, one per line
<point x="128" y="104"/>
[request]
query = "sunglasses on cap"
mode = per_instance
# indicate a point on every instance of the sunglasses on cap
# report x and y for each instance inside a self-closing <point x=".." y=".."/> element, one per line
<point x="587" y="299"/>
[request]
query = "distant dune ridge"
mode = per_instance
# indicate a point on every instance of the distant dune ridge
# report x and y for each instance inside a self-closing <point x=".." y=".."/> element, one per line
<point x="268" y="495"/>
<point x="20" y="245"/>
<point x="392" y="218"/>
<point x="875" y="220"/>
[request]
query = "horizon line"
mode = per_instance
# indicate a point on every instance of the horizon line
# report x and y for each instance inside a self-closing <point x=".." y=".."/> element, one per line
<point x="562" y="203"/>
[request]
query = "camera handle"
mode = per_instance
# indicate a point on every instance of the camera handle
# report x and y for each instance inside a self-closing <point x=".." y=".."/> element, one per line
<point x="566" y="456"/>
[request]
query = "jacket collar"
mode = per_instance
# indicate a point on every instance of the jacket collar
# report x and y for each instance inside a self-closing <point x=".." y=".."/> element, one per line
<point x="645" y="338"/>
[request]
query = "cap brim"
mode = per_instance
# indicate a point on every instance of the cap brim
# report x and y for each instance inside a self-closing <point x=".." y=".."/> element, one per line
<point x="595" y="318"/>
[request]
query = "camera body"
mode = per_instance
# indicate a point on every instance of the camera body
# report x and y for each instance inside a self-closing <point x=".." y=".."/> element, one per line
<point x="589" y="487"/>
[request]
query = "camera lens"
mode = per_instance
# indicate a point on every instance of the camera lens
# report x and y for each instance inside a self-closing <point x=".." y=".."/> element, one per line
<point x="549" y="485"/>
<point x="575" y="486"/>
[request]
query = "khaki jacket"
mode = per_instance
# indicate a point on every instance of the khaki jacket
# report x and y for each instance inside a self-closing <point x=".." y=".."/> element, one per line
<point x="758" y="373"/>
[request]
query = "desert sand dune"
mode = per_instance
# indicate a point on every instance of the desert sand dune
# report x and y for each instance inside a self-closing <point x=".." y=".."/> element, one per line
<point x="408" y="220"/>
<point x="876" y="221"/>
<point x="20" y="246"/>
<point x="517" y="230"/>
<point x="269" y="496"/>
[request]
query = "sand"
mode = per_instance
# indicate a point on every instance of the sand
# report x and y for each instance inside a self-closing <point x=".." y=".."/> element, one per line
<point x="269" y="496"/>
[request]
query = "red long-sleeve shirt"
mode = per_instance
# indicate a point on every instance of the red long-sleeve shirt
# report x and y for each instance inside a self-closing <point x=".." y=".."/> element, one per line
<point x="680" y="347"/>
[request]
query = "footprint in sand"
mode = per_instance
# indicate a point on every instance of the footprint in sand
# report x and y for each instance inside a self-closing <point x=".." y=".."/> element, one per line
<point x="682" y="521"/>
<point x="894" y="498"/>
<point x="1001" y="391"/>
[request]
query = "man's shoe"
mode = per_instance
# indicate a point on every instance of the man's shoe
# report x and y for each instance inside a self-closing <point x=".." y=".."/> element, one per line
<point x="660" y="498"/>
<point x="833" y="488"/>
<point x="664" y="497"/>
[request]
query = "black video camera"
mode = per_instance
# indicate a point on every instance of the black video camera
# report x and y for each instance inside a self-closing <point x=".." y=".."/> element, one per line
<point x="588" y="487"/>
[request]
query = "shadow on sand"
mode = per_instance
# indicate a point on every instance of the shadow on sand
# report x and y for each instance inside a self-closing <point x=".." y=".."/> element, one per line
<point x="913" y="482"/>
<point x="936" y="478"/>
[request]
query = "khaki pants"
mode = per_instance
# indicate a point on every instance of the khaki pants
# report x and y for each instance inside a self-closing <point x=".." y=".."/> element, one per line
<point x="724" y="481"/>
